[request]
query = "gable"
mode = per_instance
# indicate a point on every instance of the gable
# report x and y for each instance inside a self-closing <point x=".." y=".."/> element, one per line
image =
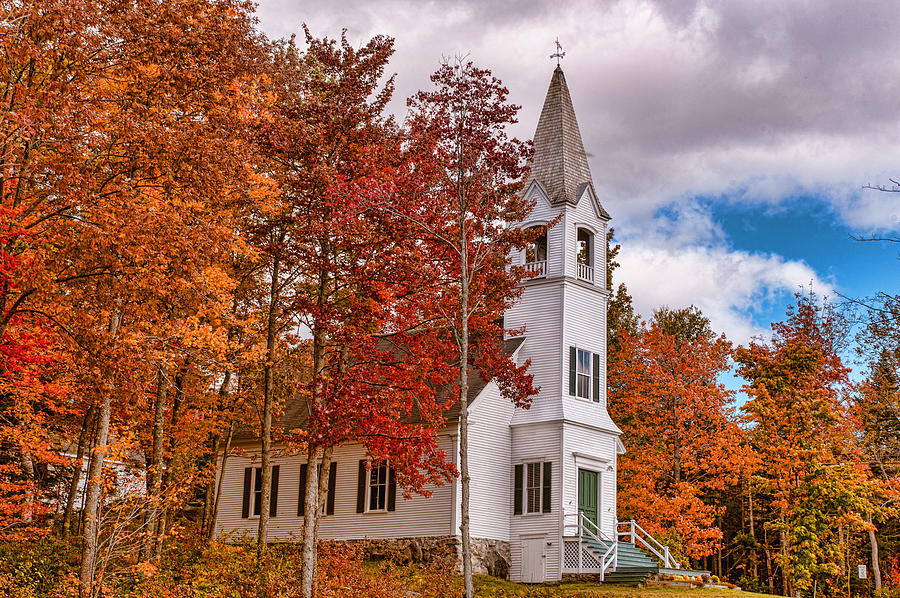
<point x="586" y="191"/>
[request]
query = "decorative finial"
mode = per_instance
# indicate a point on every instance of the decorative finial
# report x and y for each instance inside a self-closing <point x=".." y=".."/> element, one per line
<point x="559" y="52"/>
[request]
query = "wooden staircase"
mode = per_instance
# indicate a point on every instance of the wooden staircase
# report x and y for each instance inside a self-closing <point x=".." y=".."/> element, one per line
<point x="628" y="560"/>
<point x="633" y="568"/>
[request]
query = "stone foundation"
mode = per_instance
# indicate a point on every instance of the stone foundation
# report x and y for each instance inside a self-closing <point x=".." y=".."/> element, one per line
<point x="489" y="557"/>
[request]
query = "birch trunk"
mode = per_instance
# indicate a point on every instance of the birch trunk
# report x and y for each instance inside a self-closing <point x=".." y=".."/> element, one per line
<point x="468" y="588"/>
<point x="87" y="587"/>
<point x="76" y="474"/>
<point x="310" y="523"/>
<point x="268" y="400"/>
<point x="876" y="566"/>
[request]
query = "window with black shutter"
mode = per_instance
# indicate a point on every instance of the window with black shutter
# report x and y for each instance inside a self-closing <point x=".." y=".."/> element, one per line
<point x="532" y="488"/>
<point x="584" y="374"/>
<point x="328" y="507"/>
<point x="252" y="499"/>
<point x="377" y="488"/>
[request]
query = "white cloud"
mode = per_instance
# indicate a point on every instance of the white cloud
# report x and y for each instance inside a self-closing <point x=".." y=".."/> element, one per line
<point x="751" y="101"/>
<point x="728" y="286"/>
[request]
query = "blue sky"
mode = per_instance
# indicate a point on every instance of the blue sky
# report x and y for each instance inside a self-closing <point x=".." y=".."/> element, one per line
<point x="805" y="228"/>
<point x="728" y="139"/>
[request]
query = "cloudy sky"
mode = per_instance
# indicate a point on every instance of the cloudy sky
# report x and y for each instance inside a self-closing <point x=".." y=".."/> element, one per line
<point x="729" y="140"/>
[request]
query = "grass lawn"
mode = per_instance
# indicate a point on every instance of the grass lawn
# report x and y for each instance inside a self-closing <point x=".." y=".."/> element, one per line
<point x="491" y="587"/>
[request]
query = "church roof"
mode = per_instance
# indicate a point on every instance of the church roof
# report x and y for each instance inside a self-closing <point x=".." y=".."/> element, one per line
<point x="560" y="162"/>
<point x="296" y="410"/>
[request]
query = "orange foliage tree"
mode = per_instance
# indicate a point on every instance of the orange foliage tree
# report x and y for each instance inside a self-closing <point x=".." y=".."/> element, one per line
<point x="813" y="487"/>
<point x="684" y="445"/>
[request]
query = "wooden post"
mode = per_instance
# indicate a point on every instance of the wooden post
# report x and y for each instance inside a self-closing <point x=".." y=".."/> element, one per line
<point x="580" y="540"/>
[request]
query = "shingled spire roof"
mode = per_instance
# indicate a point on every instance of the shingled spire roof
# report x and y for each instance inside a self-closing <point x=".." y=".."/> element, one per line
<point x="560" y="162"/>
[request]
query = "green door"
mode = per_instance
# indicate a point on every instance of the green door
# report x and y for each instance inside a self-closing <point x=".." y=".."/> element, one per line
<point x="588" y="497"/>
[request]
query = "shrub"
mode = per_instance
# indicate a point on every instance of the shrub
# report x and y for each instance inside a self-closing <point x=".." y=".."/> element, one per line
<point x="33" y="568"/>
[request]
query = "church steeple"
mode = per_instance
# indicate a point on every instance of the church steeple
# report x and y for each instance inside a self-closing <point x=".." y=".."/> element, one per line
<point x="560" y="162"/>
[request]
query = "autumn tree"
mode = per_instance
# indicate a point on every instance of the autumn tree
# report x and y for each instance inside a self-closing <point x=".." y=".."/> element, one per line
<point x="348" y="273"/>
<point x="46" y="54"/>
<point x="877" y="409"/>
<point x="684" y="444"/>
<point x="469" y="209"/>
<point x="813" y="487"/>
<point x="121" y="152"/>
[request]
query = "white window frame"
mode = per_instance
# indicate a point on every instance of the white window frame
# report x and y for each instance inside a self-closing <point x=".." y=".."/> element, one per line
<point x="581" y="376"/>
<point x="531" y="490"/>
<point x="255" y="496"/>
<point x="381" y="487"/>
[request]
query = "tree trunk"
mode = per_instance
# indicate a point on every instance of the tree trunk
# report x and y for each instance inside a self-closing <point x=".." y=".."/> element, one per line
<point x="28" y="473"/>
<point x="752" y="528"/>
<point x="92" y="438"/>
<point x="212" y="488"/>
<point x="177" y="399"/>
<point x="876" y="566"/>
<point x="215" y="510"/>
<point x="310" y="522"/>
<point x="468" y="588"/>
<point x="156" y="462"/>
<point x="785" y="578"/>
<point x="323" y="488"/>
<point x="76" y="474"/>
<point x="87" y="587"/>
<point x="268" y="400"/>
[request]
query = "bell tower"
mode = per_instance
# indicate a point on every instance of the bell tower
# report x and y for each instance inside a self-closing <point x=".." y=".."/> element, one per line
<point x="563" y="307"/>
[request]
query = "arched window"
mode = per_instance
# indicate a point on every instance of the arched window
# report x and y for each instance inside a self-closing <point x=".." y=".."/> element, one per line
<point x="585" y="255"/>
<point x="536" y="252"/>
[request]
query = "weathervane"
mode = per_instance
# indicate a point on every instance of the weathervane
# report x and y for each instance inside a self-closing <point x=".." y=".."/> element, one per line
<point x="559" y="52"/>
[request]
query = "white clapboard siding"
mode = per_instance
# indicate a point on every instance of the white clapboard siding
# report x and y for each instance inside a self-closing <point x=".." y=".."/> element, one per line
<point x="594" y="450"/>
<point x="489" y="464"/>
<point x="537" y="443"/>
<point x="543" y="346"/>
<point x="418" y="516"/>
<point x="584" y="319"/>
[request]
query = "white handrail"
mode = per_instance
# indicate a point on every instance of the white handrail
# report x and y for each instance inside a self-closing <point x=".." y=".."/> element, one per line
<point x="613" y="561"/>
<point x="632" y="533"/>
<point x="579" y="517"/>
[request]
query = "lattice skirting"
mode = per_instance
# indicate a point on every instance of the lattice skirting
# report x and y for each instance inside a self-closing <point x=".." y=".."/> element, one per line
<point x="590" y="563"/>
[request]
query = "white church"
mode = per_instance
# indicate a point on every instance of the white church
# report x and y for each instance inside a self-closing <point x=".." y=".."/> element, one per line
<point x="543" y="493"/>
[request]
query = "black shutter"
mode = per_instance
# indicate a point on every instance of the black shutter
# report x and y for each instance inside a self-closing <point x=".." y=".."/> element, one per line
<point x="257" y="490"/>
<point x="573" y="361"/>
<point x="392" y="490"/>
<point x="273" y="499"/>
<point x="361" y="488"/>
<point x="301" y="502"/>
<point x="547" y="481"/>
<point x="332" y="484"/>
<point x="245" y="504"/>
<point x="596" y="374"/>
<point x="517" y="492"/>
